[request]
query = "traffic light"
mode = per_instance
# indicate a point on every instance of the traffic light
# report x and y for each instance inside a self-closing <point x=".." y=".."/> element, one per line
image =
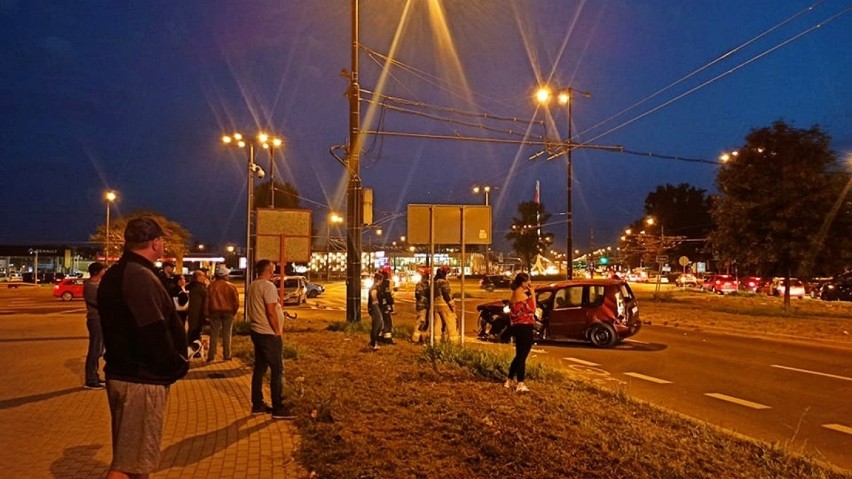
<point x="603" y="260"/>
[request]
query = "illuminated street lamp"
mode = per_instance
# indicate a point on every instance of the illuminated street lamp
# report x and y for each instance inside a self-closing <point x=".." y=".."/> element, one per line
<point x="564" y="97"/>
<point x="110" y="197"/>
<point x="333" y="218"/>
<point x="484" y="189"/>
<point x="240" y="141"/>
<point x="271" y="144"/>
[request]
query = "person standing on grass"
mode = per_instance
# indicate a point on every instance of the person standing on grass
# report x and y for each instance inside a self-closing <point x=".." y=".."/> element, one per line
<point x="421" y="296"/>
<point x="145" y="347"/>
<point x="93" y="324"/>
<point x="223" y="301"/>
<point x="375" y="305"/>
<point x="522" y="316"/>
<point x="444" y="306"/>
<point x="266" y="317"/>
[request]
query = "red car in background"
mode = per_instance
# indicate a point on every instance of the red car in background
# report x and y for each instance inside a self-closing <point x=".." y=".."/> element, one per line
<point x="68" y="289"/>
<point x="720" y="283"/>
<point x="752" y="284"/>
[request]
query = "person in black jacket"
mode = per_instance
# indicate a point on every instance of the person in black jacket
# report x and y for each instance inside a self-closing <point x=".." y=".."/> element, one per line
<point x="145" y="349"/>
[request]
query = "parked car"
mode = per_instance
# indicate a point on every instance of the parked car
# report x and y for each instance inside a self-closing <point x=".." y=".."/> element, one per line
<point x="490" y="282"/>
<point x="600" y="311"/>
<point x="814" y="286"/>
<point x="686" y="279"/>
<point x="777" y="285"/>
<point x="720" y="283"/>
<point x="295" y="289"/>
<point x="752" y="284"/>
<point x="314" y="289"/>
<point x="838" y="289"/>
<point x="68" y="289"/>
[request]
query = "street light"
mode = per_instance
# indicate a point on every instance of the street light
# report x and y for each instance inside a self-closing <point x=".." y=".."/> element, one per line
<point x="335" y="219"/>
<point x="271" y="143"/>
<point x="109" y="196"/>
<point x="564" y="97"/>
<point x="485" y="189"/>
<point x="372" y="267"/>
<point x="252" y="169"/>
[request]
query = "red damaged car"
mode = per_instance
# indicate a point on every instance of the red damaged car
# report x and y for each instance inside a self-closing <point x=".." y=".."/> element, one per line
<point x="600" y="311"/>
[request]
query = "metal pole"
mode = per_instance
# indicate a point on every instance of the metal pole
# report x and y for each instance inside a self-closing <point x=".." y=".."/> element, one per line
<point x="354" y="212"/>
<point x="461" y="316"/>
<point x="106" y="235"/>
<point x="569" y="242"/>
<point x="328" y="250"/>
<point x="271" y="176"/>
<point x="249" y="205"/>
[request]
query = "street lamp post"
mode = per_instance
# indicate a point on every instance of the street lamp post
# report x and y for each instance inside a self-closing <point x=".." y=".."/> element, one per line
<point x="271" y="144"/>
<point x="336" y="219"/>
<point x="109" y="196"/>
<point x="252" y="169"/>
<point x="486" y="190"/>
<point x="565" y="97"/>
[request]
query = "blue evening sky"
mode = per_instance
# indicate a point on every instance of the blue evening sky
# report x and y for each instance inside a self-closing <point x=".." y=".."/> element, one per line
<point x="134" y="96"/>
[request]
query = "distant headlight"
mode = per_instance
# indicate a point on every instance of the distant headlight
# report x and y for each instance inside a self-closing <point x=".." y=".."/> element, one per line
<point x="507" y="309"/>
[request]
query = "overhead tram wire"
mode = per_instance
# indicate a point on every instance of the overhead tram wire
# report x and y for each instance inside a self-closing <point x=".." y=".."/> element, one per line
<point x="728" y="72"/>
<point x="705" y="66"/>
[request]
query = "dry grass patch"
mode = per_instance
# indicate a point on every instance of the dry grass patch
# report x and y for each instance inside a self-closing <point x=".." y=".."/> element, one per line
<point x="406" y="411"/>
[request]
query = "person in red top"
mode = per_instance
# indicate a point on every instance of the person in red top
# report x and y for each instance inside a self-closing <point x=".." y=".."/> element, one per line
<point x="522" y="317"/>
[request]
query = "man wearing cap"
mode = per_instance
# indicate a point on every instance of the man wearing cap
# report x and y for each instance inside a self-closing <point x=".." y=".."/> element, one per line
<point x="145" y="349"/>
<point x="223" y="301"/>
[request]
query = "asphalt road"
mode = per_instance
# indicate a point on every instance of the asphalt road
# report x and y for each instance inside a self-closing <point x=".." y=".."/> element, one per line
<point x="794" y="394"/>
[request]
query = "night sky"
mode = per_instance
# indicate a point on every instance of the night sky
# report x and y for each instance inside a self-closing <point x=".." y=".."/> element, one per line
<point x="135" y="95"/>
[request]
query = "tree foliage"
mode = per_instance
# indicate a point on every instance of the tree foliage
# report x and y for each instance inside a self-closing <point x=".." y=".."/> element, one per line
<point x="286" y="195"/>
<point x="774" y="212"/>
<point x="681" y="216"/>
<point x="525" y="238"/>
<point x="177" y="237"/>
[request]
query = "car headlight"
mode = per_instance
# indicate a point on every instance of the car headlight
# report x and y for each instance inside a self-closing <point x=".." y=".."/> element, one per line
<point x="507" y="309"/>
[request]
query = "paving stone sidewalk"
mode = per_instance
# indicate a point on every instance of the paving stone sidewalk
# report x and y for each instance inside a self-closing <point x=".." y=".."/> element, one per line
<point x="51" y="427"/>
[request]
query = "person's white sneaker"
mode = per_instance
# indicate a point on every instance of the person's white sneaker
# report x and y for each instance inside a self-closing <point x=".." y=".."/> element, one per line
<point x="509" y="383"/>
<point x="522" y="388"/>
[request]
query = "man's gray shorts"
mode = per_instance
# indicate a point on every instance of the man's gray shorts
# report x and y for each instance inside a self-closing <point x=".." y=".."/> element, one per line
<point x="137" y="425"/>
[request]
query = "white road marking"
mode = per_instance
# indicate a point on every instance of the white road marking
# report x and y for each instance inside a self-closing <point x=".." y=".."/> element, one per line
<point x="580" y="361"/>
<point x="741" y="402"/>
<point x="648" y="378"/>
<point x="634" y="341"/>
<point x="838" y="427"/>
<point x="844" y="378"/>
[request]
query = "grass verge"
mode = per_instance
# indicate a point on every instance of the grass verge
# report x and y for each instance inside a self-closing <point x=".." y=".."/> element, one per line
<point x="407" y="411"/>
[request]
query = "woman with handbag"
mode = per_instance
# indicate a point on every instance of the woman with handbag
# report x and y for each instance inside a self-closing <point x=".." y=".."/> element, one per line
<point x="522" y="316"/>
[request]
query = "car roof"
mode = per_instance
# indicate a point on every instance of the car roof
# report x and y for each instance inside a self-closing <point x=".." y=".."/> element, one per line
<point x="582" y="282"/>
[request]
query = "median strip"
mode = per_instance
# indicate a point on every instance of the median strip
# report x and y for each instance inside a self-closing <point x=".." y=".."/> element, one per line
<point x="741" y="402"/>
<point x="817" y="373"/>
<point x="838" y="427"/>
<point x="647" y="378"/>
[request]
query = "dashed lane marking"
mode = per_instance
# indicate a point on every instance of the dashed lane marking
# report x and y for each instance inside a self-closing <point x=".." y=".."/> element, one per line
<point x="741" y="402"/>
<point x="581" y="361"/>
<point x="844" y="378"/>
<point x="634" y="341"/>
<point x="838" y="427"/>
<point x="647" y="378"/>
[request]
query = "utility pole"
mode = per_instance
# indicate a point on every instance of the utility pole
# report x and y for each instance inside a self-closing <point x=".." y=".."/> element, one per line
<point x="354" y="210"/>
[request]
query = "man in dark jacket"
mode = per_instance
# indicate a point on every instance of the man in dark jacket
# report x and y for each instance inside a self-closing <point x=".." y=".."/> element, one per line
<point x="145" y="349"/>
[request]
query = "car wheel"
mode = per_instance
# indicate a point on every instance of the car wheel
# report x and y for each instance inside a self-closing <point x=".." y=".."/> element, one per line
<point x="602" y="335"/>
<point x="313" y="294"/>
<point x="67" y="296"/>
<point x="489" y="288"/>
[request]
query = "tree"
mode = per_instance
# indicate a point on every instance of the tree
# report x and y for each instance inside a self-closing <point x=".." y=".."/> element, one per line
<point x="682" y="212"/>
<point x="525" y="238"/>
<point x="286" y="195"/>
<point x="774" y="198"/>
<point x="177" y="237"/>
